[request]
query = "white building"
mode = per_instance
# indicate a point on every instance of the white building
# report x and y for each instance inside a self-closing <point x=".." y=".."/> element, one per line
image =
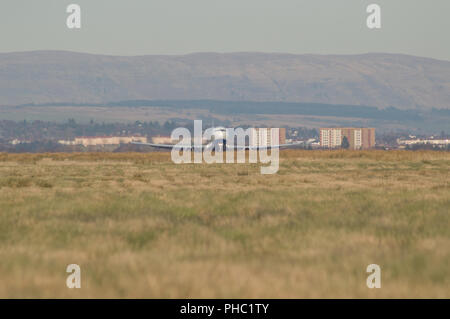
<point x="423" y="141"/>
<point x="330" y="137"/>
<point x="358" y="139"/>
<point x="103" y="140"/>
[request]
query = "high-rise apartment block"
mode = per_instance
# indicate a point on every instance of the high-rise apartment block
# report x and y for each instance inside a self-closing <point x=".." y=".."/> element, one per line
<point x="358" y="138"/>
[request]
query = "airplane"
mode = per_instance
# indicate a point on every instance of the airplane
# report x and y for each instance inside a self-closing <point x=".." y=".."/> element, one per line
<point x="217" y="143"/>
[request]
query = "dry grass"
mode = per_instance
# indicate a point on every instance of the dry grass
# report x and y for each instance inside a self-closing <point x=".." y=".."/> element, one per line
<point x="140" y="226"/>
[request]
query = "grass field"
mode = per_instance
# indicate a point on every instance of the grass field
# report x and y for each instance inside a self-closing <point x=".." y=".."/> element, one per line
<point x="141" y="226"/>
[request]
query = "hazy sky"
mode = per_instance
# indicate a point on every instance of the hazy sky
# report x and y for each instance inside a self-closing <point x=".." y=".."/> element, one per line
<point x="136" y="27"/>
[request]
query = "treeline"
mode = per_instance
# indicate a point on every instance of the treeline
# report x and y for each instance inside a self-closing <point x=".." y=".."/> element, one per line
<point x="43" y="136"/>
<point x="31" y="131"/>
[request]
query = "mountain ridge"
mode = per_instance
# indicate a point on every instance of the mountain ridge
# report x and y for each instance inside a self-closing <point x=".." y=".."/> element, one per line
<point x="222" y="53"/>
<point x="376" y="79"/>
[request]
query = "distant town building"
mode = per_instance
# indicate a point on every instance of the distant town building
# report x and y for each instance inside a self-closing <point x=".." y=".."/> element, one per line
<point x="103" y="140"/>
<point x="267" y="136"/>
<point x="16" y="142"/>
<point x="358" y="138"/>
<point x="330" y="137"/>
<point x="418" y="141"/>
<point x="162" y="140"/>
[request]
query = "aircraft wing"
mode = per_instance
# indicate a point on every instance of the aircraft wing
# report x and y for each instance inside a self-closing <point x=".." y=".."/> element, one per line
<point x="170" y="146"/>
<point x="201" y="147"/>
<point x="248" y="148"/>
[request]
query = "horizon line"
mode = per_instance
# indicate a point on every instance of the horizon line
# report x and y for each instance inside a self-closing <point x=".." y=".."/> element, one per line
<point x="221" y="53"/>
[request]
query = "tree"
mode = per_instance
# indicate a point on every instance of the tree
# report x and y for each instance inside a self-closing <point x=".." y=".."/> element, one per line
<point x="345" y="144"/>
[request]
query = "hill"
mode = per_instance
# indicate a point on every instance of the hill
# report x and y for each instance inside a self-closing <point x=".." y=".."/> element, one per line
<point x="380" y="80"/>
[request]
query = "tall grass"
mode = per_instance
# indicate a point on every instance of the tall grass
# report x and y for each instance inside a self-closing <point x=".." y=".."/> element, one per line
<point x="141" y="226"/>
